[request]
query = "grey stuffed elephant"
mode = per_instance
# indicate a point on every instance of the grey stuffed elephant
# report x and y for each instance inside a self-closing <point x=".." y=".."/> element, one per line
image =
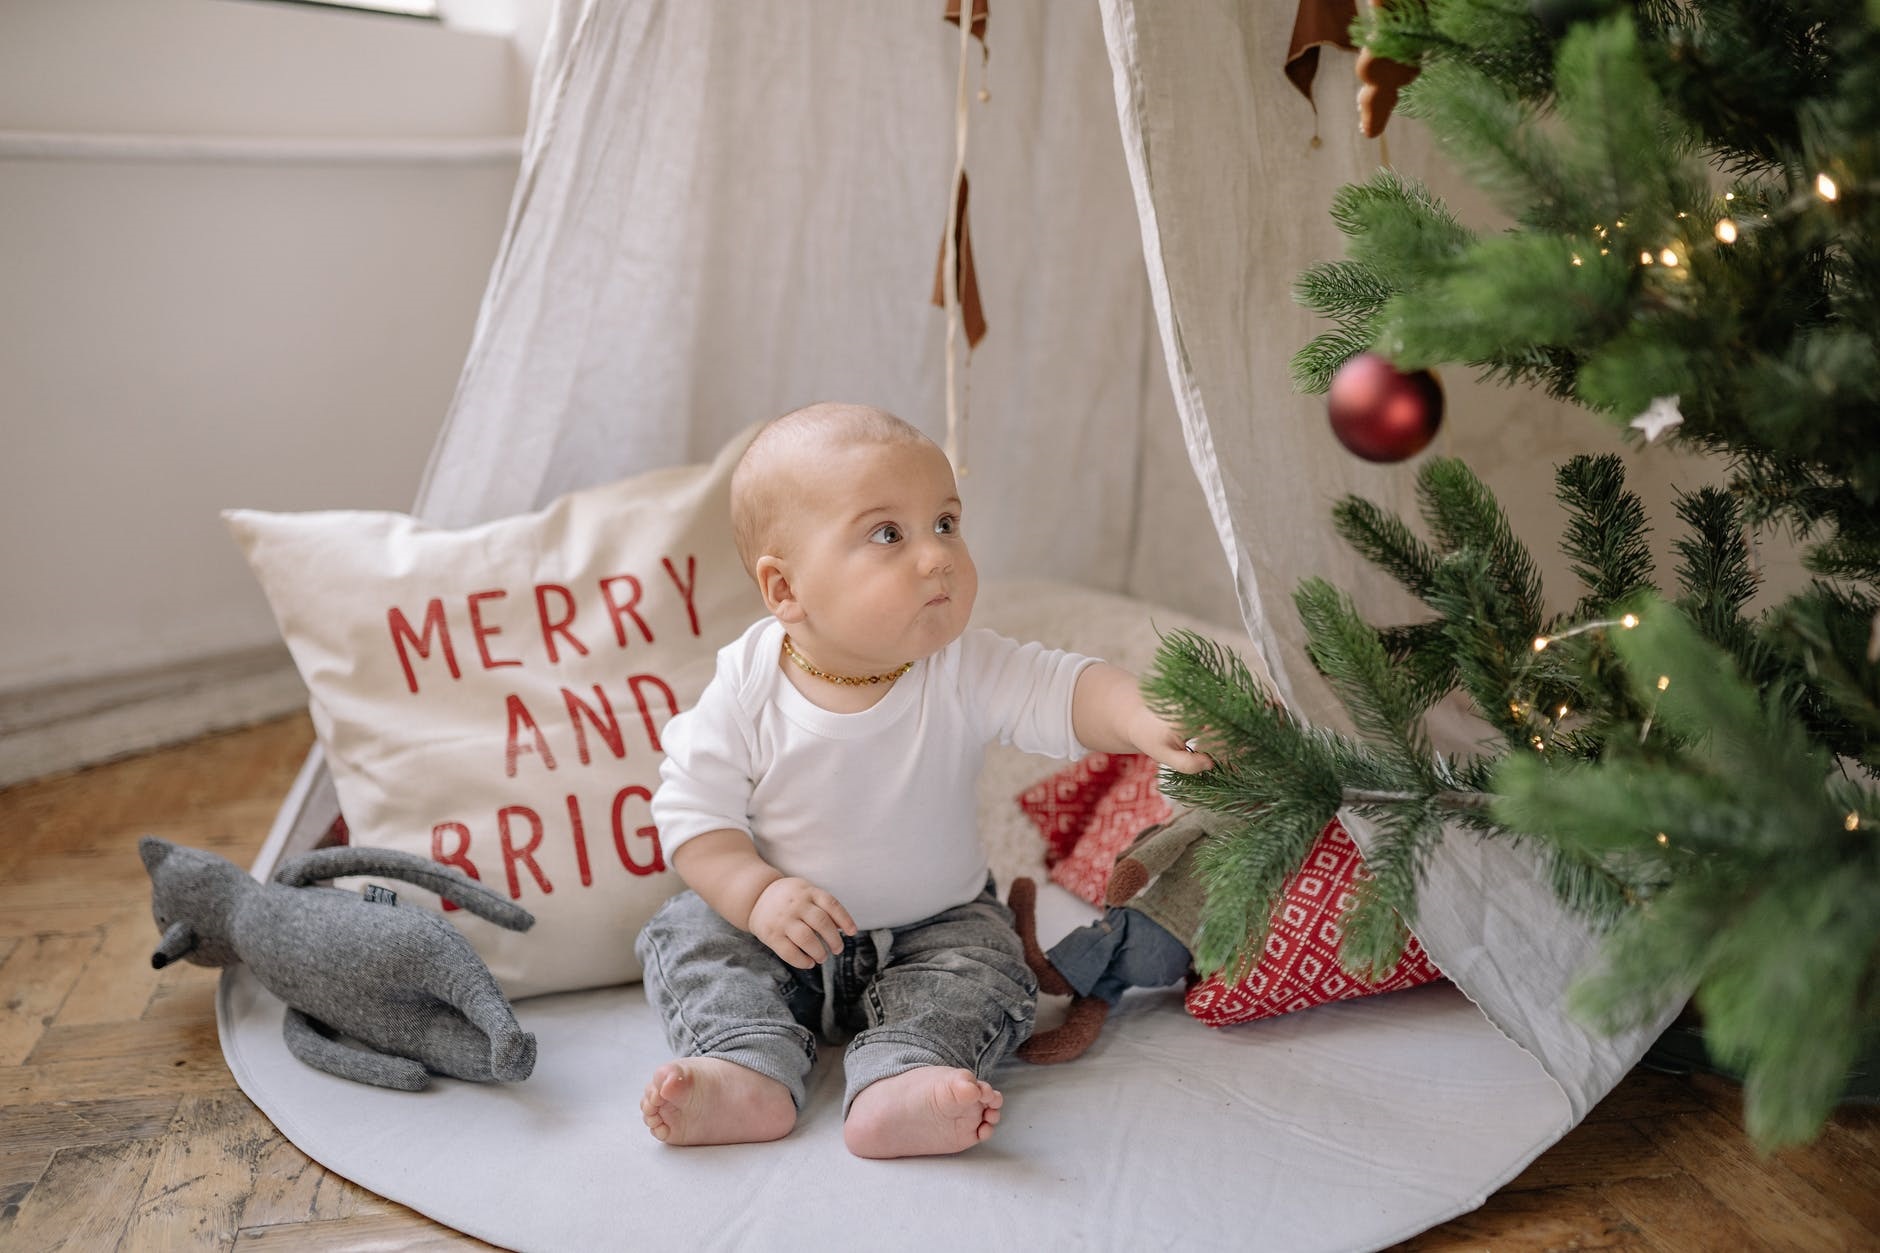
<point x="399" y="980"/>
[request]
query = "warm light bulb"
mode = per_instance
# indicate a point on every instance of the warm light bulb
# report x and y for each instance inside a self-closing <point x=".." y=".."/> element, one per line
<point x="1629" y="621"/>
<point x="1644" y="258"/>
<point x="1668" y="257"/>
<point x="1620" y="223"/>
<point x="1726" y="230"/>
<point x="1539" y="747"/>
<point x="1852" y="822"/>
<point x="1576" y="258"/>
<point x="1664" y="681"/>
<point x="1540" y="643"/>
<point x="1825" y="188"/>
<point x="1729" y="195"/>
<point x="1563" y="711"/>
<point x="1604" y="251"/>
<point x="1663" y="839"/>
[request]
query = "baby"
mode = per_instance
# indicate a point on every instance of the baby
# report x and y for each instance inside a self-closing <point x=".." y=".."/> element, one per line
<point x="819" y="803"/>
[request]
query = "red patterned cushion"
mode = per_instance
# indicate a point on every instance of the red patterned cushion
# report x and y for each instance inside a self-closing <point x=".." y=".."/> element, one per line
<point x="1298" y="965"/>
<point x="1090" y="812"/>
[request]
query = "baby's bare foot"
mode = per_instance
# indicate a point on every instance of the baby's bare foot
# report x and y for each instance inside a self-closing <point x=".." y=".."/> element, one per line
<point x="708" y="1100"/>
<point x="921" y="1112"/>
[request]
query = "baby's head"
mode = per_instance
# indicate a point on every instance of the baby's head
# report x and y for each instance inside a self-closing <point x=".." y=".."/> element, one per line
<point x="848" y="519"/>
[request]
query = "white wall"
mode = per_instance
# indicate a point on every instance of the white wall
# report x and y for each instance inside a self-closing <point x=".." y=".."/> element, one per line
<point x="245" y="327"/>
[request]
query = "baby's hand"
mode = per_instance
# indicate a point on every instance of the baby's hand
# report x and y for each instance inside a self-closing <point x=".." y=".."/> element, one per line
<point x="1163" y="741"/>
<point x="800" y="922"/>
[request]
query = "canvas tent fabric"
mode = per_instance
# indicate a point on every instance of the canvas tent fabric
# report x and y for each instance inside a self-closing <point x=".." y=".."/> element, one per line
<point x="727" y="210"/>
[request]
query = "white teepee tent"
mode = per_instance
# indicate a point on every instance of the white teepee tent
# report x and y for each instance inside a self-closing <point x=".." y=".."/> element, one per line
<point x="726" y="210"/>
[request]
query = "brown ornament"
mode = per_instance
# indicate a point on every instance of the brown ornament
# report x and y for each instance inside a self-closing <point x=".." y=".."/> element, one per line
<point x="1379" y="81"/>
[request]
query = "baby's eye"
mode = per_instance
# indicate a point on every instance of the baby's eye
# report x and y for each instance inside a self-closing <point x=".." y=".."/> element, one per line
<point x="947" y="524"/>
<point x="886" y="533"/>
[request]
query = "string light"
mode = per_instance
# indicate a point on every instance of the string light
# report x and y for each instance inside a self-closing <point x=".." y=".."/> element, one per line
<point x="1852" y="822"/>
<point x="1663" y="839"/>
<point x="1542" y="641"/>
<point x="1729" y="195"/>
<point x="1726" y="231"/>
<point x="1563" y="712"/>
<point x="1576" y="258"/>
<point x="1645" y="258"/>
<point x="1825" y="188"/>
<point x="1664" y="681"/>
<point x="1668" y="257"/>
<point x="1539" y="747"/>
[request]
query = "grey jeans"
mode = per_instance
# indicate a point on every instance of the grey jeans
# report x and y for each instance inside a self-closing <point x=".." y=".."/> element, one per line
<point x="950" y="990"/>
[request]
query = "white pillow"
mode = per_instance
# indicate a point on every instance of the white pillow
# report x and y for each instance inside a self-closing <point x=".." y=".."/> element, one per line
<point x="492" y="697"/>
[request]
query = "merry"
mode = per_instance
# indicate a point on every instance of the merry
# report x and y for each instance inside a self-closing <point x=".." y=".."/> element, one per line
<point x="554" y="617"/>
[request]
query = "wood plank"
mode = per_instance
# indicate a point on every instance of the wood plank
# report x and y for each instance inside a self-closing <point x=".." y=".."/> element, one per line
<point x="184" y="991"/>
<point x="32" y="918"/>
<point x="84" y="1199"/>
<point x="107" y="1078"/>
<point x="34" y="982"/>
<point x="289" y="1187"/>
<point x="197" y="1188"/>
<point x="1679" y="1215"/>
<point x="20" y="1168"/>
<point x="1647" y="1094"/>
<point x="64" y="1124"/>
<point x="1776" y="1203"/>
<point x="1593" y="1154"/>
<point x="1844" y="1165"/>
<point x="137" y="1042"/>
<point x="117" y="981"/>
<point x="403" y="1232"/>
<point x="1533" y="1222"/>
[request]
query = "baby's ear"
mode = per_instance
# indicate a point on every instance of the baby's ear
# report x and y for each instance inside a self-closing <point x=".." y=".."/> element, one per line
<point x="773" y="582"/>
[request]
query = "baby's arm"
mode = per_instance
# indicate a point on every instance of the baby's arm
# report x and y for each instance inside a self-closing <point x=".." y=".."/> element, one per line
<point x="798" y="920"/>
<point x="1108" y="715"/>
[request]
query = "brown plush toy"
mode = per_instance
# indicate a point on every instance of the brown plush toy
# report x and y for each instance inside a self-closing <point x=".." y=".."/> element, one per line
<point x="1145" y="939"/>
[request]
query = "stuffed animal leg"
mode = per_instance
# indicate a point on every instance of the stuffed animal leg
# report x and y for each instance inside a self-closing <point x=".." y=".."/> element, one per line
<point x="1144" y="940"/>
<point x="467" y="1029"/>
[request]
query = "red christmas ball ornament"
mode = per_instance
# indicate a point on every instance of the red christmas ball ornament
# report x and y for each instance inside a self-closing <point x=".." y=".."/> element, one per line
<point x="1379" y="412"/>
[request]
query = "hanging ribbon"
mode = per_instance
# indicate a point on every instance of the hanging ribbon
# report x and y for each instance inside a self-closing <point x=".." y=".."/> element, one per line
<point x="956" y="286"/>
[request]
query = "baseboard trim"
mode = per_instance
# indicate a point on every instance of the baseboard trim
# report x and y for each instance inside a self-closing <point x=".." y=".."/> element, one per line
<point x="67" y="726"/>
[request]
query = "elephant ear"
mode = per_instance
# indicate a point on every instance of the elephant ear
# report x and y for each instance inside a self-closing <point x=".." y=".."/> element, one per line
<point x="153" y="851"/>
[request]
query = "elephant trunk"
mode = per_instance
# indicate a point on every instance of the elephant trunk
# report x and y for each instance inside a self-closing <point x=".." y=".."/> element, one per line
<point x="177" y="943"/>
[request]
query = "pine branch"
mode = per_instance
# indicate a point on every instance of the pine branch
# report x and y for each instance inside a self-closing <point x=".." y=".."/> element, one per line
<point x="1605" y="532"/>
<point x="1462" y="513"/>
<point x="1768" y="874"/>
<point x="1382" y="705"/>
<point x="1374" y="931"/>
<point x="1245" y="869"/>
<point x="1384" y="540"/>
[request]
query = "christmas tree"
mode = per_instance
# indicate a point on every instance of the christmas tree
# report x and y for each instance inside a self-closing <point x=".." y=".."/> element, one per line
<point x="1694" y="187"/>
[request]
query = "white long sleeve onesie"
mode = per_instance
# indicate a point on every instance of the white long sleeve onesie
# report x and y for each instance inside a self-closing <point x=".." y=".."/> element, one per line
<point x="876" y="807"/>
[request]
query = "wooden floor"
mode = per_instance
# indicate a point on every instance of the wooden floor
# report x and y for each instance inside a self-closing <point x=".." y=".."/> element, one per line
<point x="120" y="1127"/>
